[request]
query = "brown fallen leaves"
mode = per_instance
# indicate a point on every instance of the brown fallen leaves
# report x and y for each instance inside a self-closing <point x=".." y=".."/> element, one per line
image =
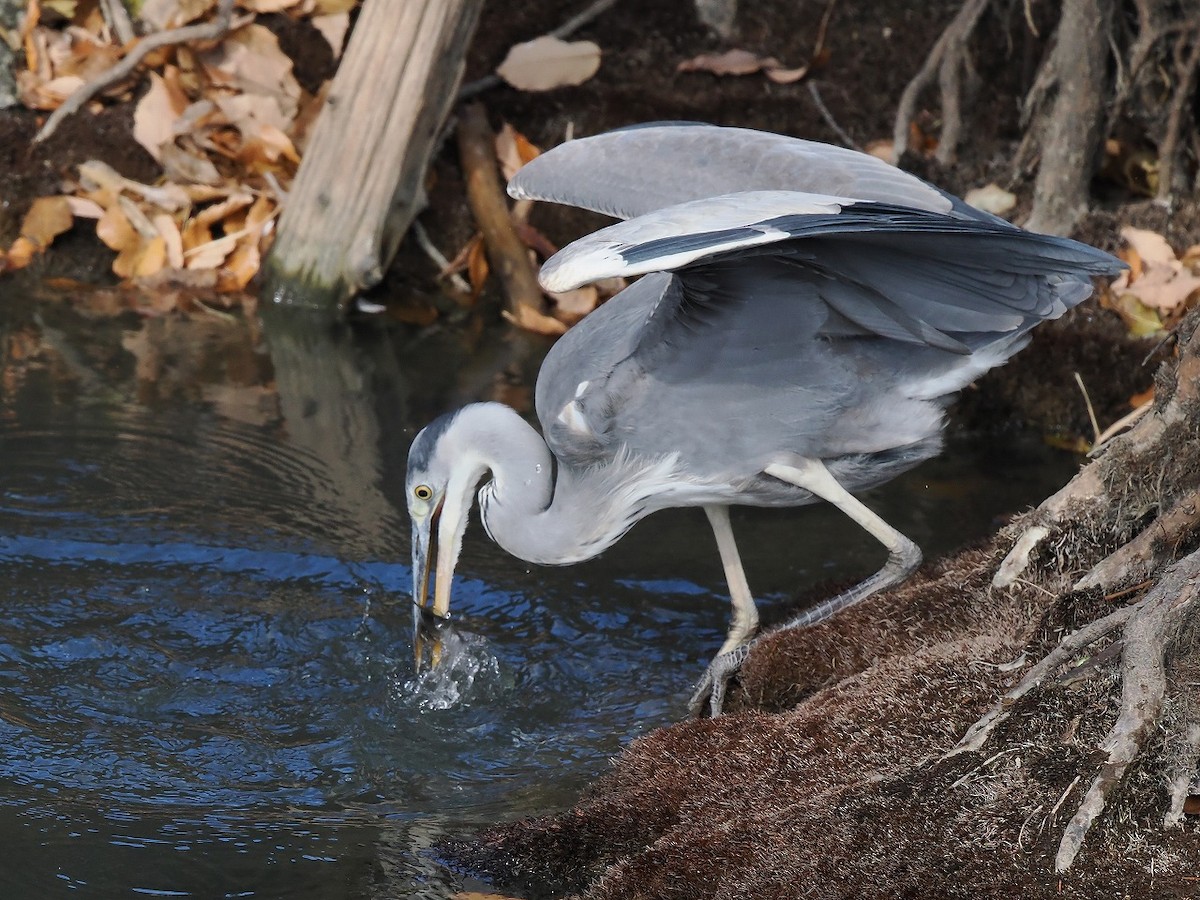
<point x="1159" y="287"/>
<point x="225" y="121"/>
<point x="743" y="62"/>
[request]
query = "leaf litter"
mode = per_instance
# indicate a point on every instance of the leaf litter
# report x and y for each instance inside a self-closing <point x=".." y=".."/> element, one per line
<point x="223" y="121"/>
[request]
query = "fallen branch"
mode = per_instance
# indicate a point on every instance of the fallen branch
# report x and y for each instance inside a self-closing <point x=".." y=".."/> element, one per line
<point x="507" y="253"/>
<point x="213" y="30"/>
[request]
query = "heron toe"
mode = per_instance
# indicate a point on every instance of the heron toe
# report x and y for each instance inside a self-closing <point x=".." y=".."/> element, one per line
<point x="715" y="680"/>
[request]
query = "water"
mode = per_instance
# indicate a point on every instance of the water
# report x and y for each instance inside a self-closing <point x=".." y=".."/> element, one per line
<point x="206" y="682"/>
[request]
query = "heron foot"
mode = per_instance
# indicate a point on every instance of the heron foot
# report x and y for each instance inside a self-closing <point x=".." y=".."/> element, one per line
<point x="713" y="683"/>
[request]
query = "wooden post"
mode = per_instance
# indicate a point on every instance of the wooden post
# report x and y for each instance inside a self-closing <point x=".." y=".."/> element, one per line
<point x="360" y="183"/>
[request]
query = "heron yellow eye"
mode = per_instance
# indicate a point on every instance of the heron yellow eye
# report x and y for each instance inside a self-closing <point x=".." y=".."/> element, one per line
<point x="422" y="492"/>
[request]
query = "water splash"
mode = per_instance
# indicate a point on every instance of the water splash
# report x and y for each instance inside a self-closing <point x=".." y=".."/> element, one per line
<point x="468" y="671"/>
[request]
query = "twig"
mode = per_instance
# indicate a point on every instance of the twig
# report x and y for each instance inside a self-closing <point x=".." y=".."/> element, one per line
<point x="477" y="150"/>
<point x="566" y="29"/>
<point x="1091" y="410"/>
<point x="117" y="18"/>
<point x="208" y="31"/>
<point x="439" y="259"/>
<point x="1126" y="421"/>
<point x="827" y="116"/>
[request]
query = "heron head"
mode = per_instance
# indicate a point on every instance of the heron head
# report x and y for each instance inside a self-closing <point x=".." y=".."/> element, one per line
<point x="441" y="478"/>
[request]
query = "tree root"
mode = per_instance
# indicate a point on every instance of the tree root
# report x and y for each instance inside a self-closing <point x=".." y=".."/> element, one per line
<point x="1149" y="631"/>
<point x="1073" y="644"/>
<point x="1093" y="490"/>
<point x="946" y="60"/>
<point x="1105" y="504"/>
<point x="1150" y="550"/>
<point x="1075" y="100"/>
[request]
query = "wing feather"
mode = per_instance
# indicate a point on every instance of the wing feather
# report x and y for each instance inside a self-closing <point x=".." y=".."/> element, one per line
<point x="633" y="171"/>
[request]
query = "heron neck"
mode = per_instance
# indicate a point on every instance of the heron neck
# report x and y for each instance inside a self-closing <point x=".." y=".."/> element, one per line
<point x="530" y="514"/>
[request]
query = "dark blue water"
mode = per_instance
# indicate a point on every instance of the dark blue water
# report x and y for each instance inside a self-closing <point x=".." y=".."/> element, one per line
<point x="206" y="683"/>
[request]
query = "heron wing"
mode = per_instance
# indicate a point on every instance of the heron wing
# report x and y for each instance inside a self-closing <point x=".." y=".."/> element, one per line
<point x="905" y="274"/>
<point x="633" y="171"/>
<point x="803" y="331"/>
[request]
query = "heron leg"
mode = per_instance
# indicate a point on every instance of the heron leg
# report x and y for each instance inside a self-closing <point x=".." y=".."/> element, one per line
<point x="744" y="620"/>
<point x="903" y="555"/>
<point x="742" y="626"/>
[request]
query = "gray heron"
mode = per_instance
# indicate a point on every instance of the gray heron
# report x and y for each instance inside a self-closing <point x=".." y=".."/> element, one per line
<point x="805" y="315"/>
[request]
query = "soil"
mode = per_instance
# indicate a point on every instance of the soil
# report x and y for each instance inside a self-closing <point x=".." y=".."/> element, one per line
<point x="828" y="784"/>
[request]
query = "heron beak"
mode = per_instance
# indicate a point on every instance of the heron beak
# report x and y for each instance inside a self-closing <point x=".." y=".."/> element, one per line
<point x="427" y="623"/>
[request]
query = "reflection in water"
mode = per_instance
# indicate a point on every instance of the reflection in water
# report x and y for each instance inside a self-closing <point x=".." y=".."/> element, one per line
<point x="206" y="685"/>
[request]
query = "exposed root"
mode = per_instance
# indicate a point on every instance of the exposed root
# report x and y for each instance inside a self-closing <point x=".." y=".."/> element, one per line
<point x="946" y="60"/>
<point x="1186" y="56"/>
<point x="1148" y="636"/>
<point x="1181" y="784"/>
<point x="1071" y="645"/>
<point x="1094" y="489"/>
<point x="1149" y="631"/>
<point x="1153" y="548"/>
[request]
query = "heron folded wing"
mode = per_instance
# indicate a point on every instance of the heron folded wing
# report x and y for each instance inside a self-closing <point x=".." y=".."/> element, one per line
<point x="637" y="170"/>
<point x="672" y="238"/>
<point x="836" y="232"/>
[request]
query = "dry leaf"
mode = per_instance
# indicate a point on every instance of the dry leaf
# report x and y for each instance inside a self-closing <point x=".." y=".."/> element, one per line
<point x="47" y="95"/>
<point x="161" y="14"/>
<point x="240" y="267"/>
<point x="47" y="218"/>
<point x="267" y="6"/>
<point x="212" y="254"/>
<point x="531" y="320"/>
<point x="83" y="208"/>
<point x="328" y="7"/>
<point x="731" y="62"/>
<point x="114" y="229"/>
<point x="571" y="306"/>
<point x="19" y="255"/>
<point x="780" y="75"/>
<point x="1158" y="279"/>
<point x="743" y="62"/>
<point x="546" y="63"/>
<point x="179" y="165"/>
<point x="477" y="266"/>
<point x="1141" y="320"/>
<point x="250" y="61"/>
<point x="169" y="232"/>
<point x="144" y="258"/>
<point x="991" y="198"/>
<point x="155" y="115"/>
<point x="513" y="150"/>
